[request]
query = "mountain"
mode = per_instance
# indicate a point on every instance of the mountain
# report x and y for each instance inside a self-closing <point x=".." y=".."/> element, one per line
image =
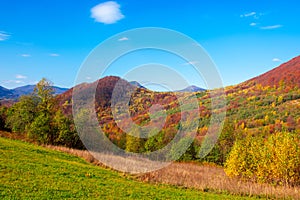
<point x="105" y="88"/>
<point x="104" y="91"/>
<point x="5" y="92"/>
<point x="28" y="89"/>
<point x="59" y="90"/>
<point x="24" y="90"/>
<point x="141" y="97"/>
<point x="192" y="88"/>
<point x="287" y="73"/>
<point x="136" y="84"/>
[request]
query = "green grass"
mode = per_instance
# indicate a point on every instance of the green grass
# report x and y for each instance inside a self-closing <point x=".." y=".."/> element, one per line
<point x="32" y="172"/>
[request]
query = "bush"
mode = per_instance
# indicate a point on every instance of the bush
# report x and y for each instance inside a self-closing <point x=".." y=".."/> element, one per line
<point x="274" y="160"/>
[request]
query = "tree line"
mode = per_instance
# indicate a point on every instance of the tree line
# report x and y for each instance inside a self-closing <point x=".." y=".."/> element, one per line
<point x="38" y="118"/>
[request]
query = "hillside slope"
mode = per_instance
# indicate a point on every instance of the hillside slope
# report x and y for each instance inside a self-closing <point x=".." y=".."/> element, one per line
<point x="5" y="92"/>
<point x="288" y="73"/>
<point x="253" y="107"/>
<point x="32" y="172"/>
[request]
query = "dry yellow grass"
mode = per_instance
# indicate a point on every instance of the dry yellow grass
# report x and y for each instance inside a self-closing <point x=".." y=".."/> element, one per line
<point x="129" y="164"/>
<point x="209" y="177"/>
<point x="204" y="177"/>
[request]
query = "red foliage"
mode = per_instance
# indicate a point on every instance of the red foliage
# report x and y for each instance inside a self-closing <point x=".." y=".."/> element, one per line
<point x="291" y="123"/>
<point x="287" y="73"/>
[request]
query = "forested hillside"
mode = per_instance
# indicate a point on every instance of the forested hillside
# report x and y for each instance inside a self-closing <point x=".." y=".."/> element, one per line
<point x="259" y="140"/>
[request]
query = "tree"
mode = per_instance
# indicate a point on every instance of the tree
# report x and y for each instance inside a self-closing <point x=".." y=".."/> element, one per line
<point x="3" y="114"/>
<point x="22" y="114"/>
<point x="155" y="142"/>
<point x="37" y="116"/>
<point x="134" y="143"/>
<point x="45" y="92"/>
<point x="222" y="148"/>
<point x="275" y="159"/>
<point x="66" y="133"/>
<point x="243" y="158"/>
<point x="42" y="128"/>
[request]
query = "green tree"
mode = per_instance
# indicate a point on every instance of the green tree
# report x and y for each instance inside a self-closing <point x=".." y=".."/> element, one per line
<point x="134" y="143"/>
<point x="22" y="113"/>
<point x="37" y="115"/>
<point x="222" y="148"/>
<point x="45" y="92"/>
<point x="42" y="128"/>
<point x="155" y="142"/>
<point x="66" y="133"/>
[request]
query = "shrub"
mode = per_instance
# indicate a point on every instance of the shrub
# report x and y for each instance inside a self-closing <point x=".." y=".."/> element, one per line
<point x="274" y="160"/>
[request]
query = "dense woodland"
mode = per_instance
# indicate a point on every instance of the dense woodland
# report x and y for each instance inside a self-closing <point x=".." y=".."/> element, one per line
<point x="260" y="140"/>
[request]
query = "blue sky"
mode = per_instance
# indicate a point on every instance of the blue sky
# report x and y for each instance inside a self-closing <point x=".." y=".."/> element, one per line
<point x="52" y="38"/>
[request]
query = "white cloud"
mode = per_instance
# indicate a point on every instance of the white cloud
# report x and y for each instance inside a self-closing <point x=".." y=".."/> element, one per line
<point x="53" y="54"/>
<point x="123" y="39"/>
<point x="12" y="81"/>
<point x="88" y="78"/>
<point x="19" y="76"/>
<point x="25" y="55"/>
<point x="253" y="24"/>
<point x="4" y="36"/>
<point x="253" y="15"/>
<point x="249" y="14"/>
<point x="191" y="63"/>
<point x="276" y="60"/>
<point x="108" y="12"/>
<point x="271" y="27"/>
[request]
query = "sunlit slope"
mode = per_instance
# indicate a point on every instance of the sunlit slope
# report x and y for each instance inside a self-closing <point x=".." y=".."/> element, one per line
<point x="32" y="172"/>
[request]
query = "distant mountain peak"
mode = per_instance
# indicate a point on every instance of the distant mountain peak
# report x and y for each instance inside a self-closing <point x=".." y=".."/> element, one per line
<point x="192" y="88"/>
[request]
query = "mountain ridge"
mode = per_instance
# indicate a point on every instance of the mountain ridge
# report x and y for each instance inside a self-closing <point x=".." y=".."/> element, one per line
<point x="286" y="73"/>
<point x="15" y="93"/>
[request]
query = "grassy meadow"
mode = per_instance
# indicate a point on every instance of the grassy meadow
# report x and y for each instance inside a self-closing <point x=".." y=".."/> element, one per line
<point x="28" y="171"/>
